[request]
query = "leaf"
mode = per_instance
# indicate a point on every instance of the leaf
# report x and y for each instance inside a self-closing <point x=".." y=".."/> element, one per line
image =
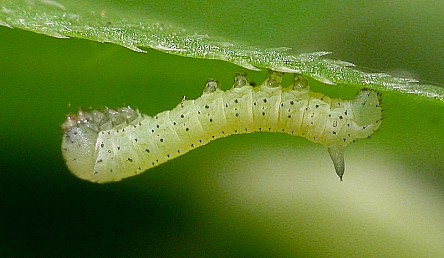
<point x="112" y="23"/>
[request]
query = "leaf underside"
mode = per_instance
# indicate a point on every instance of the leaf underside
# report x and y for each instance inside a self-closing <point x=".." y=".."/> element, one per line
<point x="103" y="24"/>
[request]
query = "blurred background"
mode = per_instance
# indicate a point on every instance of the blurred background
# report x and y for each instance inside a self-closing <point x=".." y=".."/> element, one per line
<point x="257" y="195"/>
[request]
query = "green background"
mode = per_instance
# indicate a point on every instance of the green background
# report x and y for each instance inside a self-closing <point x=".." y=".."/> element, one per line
<point x="249" y="195"/>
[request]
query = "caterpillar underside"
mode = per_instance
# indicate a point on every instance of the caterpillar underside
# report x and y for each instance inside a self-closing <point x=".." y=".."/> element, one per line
<point x="114" y="144"/>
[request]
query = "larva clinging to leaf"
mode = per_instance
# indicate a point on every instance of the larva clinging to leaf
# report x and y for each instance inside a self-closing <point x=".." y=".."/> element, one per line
<point x="114" y="144"/>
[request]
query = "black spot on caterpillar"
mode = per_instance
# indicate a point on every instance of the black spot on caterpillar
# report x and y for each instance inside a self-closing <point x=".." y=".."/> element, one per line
<point x="114" y="144"/>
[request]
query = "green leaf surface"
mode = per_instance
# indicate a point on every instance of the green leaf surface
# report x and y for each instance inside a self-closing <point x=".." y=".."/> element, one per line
<point x="119" y="24"/>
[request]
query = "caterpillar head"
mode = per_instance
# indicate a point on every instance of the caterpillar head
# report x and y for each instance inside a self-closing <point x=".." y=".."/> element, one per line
<point x="80" y="133"/>
<point x="366" y="107"/>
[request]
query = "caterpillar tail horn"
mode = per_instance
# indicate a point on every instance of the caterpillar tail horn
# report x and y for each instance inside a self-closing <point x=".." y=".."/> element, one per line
<point x="337" y="156"/>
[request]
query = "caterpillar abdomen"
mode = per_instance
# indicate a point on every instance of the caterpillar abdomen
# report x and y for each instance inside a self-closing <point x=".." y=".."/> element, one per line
<point x="112" y="145"/>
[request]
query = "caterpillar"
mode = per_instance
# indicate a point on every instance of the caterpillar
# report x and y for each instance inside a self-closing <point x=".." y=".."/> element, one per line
<point x="113" y="144"/>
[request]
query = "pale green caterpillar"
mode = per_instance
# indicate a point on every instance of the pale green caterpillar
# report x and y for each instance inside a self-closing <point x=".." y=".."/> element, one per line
<point x="111" y="145"/>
